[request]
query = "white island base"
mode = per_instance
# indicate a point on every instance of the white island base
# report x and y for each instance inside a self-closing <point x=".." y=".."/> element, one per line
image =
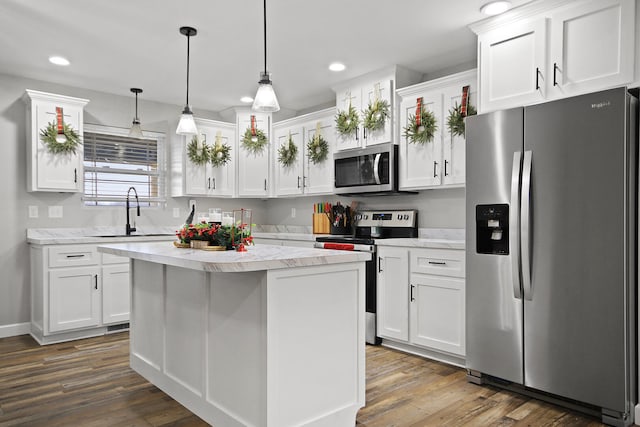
<point x="278" y="347"/>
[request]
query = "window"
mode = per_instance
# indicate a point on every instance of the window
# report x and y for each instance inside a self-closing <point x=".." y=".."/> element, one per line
<point x="114" y="162"/>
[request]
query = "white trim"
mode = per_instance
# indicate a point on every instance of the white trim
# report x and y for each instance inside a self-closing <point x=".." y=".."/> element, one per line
<point x="14" y="329"/>
<point x="533" y="9"/>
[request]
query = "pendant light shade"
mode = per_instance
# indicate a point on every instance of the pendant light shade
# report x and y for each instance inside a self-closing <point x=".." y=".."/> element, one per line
<point x="136" y="131"/>
<point x="265" y="99"/>
<point x="186" y="125"/>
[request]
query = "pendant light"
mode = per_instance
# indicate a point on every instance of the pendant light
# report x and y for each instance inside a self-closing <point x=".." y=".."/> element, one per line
<point x="136" y="131"/>
<point x="186" y="125"/>
<point x="265" y="99"/>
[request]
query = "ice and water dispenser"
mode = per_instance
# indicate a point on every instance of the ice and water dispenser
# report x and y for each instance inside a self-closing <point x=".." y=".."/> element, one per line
<point x="492" y="229"/>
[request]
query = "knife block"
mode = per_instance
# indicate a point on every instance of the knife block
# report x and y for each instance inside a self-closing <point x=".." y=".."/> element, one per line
<point x="320" y="223"/>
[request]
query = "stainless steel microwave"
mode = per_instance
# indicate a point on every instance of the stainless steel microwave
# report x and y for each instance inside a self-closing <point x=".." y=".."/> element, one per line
<point x="369" y="170"/>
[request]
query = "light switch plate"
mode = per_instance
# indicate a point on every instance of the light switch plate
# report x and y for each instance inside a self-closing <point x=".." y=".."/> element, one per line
<point x="176" y="212"/>
<point x="33" y="211"/>
<point x="55" y="211"/>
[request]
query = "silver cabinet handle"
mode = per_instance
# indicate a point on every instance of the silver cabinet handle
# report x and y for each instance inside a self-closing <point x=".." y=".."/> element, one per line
<point x="75" y="175"/>
<point x="525" y="221"/>
<point x="446" y="162"/>
<point x="555" y="69"/>
<point x="514" y="235"/>
<point x="209" y="185"/>
<point x="75" y="256"/>
<point x="435" y="164"/>
<point x="411" y="298"/>
<point x="537" y="78"/>
<point x="265" y="184"/>
<point x="96" y="279"/>
<point x="380" y="270"/>
<point x="304" y="181"/>
<point x="214" y="183"/>
<point x="437" y="263"/>
<point x="298" y="182"/>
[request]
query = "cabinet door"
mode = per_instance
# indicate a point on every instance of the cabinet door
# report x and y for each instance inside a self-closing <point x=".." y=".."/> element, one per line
<point x="74" y="298"/>
<point x="453" y="147"/>
<point x="221" y="179"/>
<point x="318" y="177"/>
<point x="61" y="171"/>
<point x="393" y="293"/>
<point x="289" y="179"/>
<point x="253" y="168"/>
<point x="591" y="45"/>
<point x="342" y="104"/>
<point x="420" y="163"/>
<point x="513" y="65"/>
<point x="437" y="313"/>
<point x="116" y="298"/>
<point x="385" y="88"/>
<point x="195" y="176"/>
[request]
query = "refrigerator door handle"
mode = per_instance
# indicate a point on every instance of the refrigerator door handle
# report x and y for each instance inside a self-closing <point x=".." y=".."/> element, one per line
<point x="514" y="235"/>
<point x="525" y="225"/>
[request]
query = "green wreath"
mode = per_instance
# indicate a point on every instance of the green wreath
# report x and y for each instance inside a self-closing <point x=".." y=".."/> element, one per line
<point x="376" y="115"/>
<point x="317" y="149"/>
<point x="347" y="121"/>
<point x="455" y="121"/>
<point x="220" y="154"/>
<point x="288" y="153"/>
<point x="254" y="143"/>
<point x="50" y="133"/>
<point x="423" y="133"/>
<point x="198" y="155"/>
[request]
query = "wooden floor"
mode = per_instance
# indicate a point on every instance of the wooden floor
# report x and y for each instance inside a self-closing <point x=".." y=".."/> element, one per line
<point x="89" y="383"/>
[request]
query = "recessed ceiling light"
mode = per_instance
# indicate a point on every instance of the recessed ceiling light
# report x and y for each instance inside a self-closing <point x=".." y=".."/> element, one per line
<point x="337" y="66"/>
<point x="246" y="99"/>
<point x="495" y="7"/>
<point x="59" y="60"/>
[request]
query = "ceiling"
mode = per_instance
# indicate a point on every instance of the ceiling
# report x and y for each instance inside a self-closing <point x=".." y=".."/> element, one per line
<point x="118" y="44"/>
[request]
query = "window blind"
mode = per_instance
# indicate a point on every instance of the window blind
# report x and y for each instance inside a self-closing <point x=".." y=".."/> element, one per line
<point x="114" y="163"/>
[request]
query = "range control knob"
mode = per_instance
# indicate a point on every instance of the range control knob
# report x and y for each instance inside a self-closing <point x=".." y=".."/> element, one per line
<point x="399" y="216"/>
<point x="366" y="216"/>
<point x="406" y="216"/>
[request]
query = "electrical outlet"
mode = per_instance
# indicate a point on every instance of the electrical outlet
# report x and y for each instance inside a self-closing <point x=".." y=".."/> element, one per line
<point x="293" y="212"/>
<point x="33" y="211"/>
<point x="55" y="211"/>
<point x="176" y="212"/>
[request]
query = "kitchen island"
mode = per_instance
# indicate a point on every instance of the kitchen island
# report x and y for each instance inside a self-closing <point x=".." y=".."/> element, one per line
<point x="269" y="337"/>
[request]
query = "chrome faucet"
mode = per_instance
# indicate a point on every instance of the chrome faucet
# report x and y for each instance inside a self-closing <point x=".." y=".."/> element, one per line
<point x="131" y="229"/>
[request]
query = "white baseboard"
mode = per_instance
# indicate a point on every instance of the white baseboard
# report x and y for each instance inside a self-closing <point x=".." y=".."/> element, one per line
<point x="15" y="329"/>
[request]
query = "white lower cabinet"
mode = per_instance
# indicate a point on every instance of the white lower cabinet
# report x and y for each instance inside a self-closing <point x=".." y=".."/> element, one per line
<point x="74" y="298"/>
<point x="421" y="299"/>
<point x="76" y="292"/>
<point x="116" y="301"/>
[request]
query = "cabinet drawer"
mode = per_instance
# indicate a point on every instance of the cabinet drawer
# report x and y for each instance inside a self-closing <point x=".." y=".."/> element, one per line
<point x="441" y="262"/>
<point x="65" y="256"/>
<point x="114" y="259"/>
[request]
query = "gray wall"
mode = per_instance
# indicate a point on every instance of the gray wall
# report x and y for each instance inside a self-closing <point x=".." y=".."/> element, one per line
<point x="441" y="208"/>
<point x="438" y="208"/>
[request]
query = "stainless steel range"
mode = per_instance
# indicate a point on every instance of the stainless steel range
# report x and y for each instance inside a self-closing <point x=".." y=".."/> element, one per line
<point x="369" y="226"/>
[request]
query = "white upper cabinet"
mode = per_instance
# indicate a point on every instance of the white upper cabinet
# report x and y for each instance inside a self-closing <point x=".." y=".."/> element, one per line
<point x="253" y="164"/>
<point x="512" y="65"/>
<point x="309" y="173"/>
<point x="363" y="93"/>
<point x="440" y="161"/>
<point x="56" y="115"/>
<point x="206" y="179"/>
<point x="590" y="47"/>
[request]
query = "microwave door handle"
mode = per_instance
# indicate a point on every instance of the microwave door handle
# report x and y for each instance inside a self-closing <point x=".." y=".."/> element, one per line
<point x="376" y="168"/>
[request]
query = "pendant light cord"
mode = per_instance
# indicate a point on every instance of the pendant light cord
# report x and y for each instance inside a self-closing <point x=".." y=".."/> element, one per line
<point x="265" y="37"/>
<point x="188" y="39"/>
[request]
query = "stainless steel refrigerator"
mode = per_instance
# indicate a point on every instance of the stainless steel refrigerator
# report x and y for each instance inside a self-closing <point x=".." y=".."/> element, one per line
<point x="551" y="251"/>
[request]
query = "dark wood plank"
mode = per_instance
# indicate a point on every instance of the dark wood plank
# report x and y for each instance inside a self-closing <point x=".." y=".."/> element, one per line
<point x="89" y="383"/>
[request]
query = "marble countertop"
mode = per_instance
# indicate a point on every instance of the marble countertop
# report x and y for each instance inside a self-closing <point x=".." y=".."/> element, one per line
<point x="257" y="258"/>
<point x="66" y="236"/>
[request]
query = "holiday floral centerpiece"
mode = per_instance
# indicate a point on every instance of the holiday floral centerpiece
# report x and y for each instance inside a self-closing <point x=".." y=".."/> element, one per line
<point x="228" y="236"/>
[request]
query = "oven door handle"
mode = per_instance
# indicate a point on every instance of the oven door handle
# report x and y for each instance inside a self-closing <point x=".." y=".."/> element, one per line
<point x="376" y="168"/>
